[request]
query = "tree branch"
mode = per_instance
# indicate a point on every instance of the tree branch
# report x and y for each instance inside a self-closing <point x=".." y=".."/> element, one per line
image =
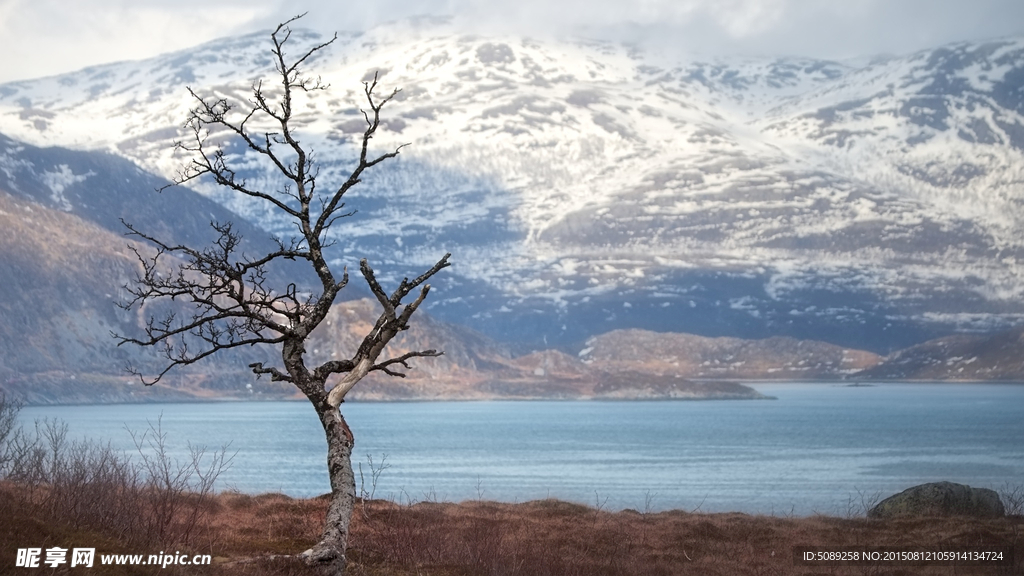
<point x="232" y="299"/>
<point x="383" y="366"/>
<point x="275" y="374"/>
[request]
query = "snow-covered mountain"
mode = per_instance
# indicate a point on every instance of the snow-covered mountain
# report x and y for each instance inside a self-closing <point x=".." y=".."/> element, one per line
<point x="585" y="186"/>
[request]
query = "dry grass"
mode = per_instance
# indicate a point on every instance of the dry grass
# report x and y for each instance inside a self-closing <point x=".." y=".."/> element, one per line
<point x="255" y="535"/>
<point x="551" y="537"/>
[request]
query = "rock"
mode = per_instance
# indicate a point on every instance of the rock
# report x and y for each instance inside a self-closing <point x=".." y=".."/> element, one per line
<point x="940" y="499"/>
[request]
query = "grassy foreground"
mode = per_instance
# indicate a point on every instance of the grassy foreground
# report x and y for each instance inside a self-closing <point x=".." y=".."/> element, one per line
<point x="255" y="535"/>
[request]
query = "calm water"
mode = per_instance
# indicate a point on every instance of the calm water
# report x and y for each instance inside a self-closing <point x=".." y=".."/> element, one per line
<point x="812" y="450"/>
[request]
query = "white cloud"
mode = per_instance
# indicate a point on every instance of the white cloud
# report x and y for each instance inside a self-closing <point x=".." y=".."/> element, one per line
<point x="42" y="37"/>
<point x="744" y="18"/>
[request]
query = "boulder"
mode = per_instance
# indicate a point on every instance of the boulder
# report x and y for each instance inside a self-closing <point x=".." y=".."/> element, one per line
<point x="940" y="499"/>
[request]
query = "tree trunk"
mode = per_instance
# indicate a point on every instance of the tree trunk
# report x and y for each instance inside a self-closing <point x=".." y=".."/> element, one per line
<point x="329" y="554"/>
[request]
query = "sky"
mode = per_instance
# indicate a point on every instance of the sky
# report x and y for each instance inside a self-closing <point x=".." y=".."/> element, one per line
<point x="46" y="37"/>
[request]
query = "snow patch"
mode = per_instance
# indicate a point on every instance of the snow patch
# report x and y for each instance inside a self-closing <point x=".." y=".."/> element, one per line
<point x="58" y="180"/>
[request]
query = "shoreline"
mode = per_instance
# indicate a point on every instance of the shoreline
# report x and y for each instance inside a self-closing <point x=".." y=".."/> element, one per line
<point x="356" y="399"/>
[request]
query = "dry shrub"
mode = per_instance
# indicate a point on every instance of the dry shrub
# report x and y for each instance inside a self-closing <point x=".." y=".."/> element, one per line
<point x="84" y="486"/>
<point x="1013" y="499"/>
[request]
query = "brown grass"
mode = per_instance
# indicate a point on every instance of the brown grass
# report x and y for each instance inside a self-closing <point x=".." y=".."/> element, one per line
<point x="550" y="537"/>
<point x="257" y="535"/>
<point x="252" y="533"/>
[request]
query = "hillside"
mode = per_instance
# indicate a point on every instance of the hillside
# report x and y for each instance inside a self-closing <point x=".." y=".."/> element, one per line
<point x="63" y="268"/>
<point x="474" y="367"/>
<point x="966" y="357"/>
<point x="587" y="187"/>
<point x="621" y="226"/>
<point x="693" y="356"/>
<point x="61" y="277"/>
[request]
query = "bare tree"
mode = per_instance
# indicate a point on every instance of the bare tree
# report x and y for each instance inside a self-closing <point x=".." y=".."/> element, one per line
<point x="234" y="303"/>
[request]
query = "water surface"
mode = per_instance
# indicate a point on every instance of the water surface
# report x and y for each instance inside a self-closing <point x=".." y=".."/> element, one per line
<point x="817" y="448"/>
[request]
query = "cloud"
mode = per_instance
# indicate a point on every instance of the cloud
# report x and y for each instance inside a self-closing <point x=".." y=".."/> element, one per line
<point x="815" y="28"/>
<point x="42" y="37"/>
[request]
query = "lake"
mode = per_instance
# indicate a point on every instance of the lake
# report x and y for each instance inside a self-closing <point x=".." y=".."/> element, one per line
<point x="817" y="448"/>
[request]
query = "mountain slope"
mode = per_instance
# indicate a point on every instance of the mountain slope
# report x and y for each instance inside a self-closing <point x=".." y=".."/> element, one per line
<point x="583" y="188"/>
<point x="63" y="273"/>
<point x="963" y="357"/>
<point x="61" y="277"/>
<point x="108" y="190"/>
<point x="692" y="356"/>
<point x="474" y="367"/>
